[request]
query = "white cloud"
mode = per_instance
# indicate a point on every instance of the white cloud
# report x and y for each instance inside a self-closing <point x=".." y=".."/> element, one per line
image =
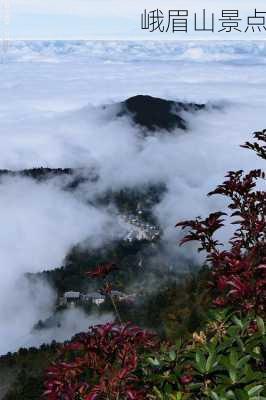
<point x="46" y="120"/>
<point x="39" y="225"/>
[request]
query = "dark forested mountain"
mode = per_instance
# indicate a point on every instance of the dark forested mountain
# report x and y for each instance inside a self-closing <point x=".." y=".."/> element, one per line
<point x="154" y="113"/>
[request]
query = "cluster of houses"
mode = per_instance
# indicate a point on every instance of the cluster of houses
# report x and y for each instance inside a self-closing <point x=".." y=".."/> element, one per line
<point x="76" y="298"/>
<point x="141" y="230"/>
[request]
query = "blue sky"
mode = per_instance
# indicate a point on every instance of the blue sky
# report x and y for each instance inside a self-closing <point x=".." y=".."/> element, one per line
<point x="109" y="19"/>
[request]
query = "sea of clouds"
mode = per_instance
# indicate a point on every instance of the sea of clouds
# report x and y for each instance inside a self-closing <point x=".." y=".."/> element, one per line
<point x="252" y="52"/>
<point x="51" y="115"/>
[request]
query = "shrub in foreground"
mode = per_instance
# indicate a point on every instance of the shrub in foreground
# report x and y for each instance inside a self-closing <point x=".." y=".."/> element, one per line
<point x="101" y="364"/>
<point x="225" y="361"/>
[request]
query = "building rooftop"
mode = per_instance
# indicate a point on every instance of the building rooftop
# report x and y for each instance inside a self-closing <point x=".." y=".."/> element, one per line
<point x="93" y="296"/>
<point x="72" y="295"/>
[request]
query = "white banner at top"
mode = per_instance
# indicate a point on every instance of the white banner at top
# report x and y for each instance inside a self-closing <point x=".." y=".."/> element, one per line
<point x="138" y="19"/>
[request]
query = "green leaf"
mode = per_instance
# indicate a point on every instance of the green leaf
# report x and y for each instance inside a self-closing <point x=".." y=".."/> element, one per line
<point x="242" y="394"/>
<point x="154" y="361"/>
<point x="195" y="386"/>
<point x="256" y="350"/>
<point x="243" y="361"/>
<point x="233" y="357"/>
<point x="200" y="361"/>
<point x="257" y="398"/>
<point x="214" y="396"/>
<point x="210" y="362"/>
<point x="261" y="325"/>
<point x="178" y="344"/>
<point x="176" y="396"/>
<point x="233" y="331"/>
<point x="240" y="343"/>
<point x="238" y="322"/>
<point x="233" y="375"/>
<point x="158" y="393"/>
<point x="172" y="355"/>
<point x="255" y="390"/>
<point x="230" y="395"/>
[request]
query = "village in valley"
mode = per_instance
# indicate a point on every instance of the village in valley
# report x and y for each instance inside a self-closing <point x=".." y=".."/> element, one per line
<point x="73" y="299"/>
<point x="139" y="230"/>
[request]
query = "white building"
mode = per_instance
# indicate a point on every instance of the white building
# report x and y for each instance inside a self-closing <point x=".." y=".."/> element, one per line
<point x="72" y="296"/>
<point x="94" y="297"/>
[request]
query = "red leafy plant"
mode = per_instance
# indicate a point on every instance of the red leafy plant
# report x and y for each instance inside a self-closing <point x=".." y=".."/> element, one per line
<point x="101" y="364"/>
<point x="102" y="272"/>
<point x="239" y="274"/>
